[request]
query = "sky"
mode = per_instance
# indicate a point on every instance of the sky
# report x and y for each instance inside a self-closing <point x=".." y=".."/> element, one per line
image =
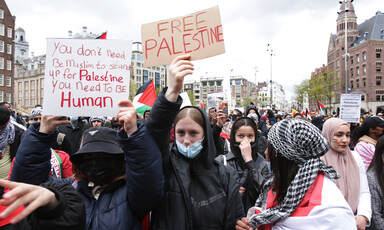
<point x="298" y="31"/>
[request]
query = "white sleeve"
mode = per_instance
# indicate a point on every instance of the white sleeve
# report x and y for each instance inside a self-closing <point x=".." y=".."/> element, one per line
<point x="364" y="205"/>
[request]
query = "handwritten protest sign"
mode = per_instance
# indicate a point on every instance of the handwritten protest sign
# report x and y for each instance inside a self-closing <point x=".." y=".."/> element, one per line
<point x="200" y="34"/>
<point x="350" y="107"/>
<point x="86" y="77"/>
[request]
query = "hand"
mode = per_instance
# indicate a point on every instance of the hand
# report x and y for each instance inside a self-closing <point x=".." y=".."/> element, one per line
<point x="21" y="194"/>
<point x="127" y="117"/>
<point x="49" y="123"/>
<point x="241" y="190"/>
<point x="246" y="150"/>
<point x="361" y="222"/>
<point x="179" y="68"/>
<point x="243" y="224"/>
<point x="221" y="118"/>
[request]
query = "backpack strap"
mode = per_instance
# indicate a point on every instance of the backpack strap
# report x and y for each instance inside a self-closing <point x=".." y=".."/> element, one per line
<point x="60" y="138"/>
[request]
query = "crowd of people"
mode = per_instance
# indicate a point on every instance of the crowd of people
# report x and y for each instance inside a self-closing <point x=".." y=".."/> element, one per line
<point x="186" y="168"/>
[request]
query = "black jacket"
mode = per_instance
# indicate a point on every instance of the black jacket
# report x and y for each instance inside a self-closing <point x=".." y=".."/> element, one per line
<point x="15" y="145"/>
<point x="199" y="193"/>
<point x="251" y="175"/>
<point x="73" y="135"/>
<point x="68" y="214"/>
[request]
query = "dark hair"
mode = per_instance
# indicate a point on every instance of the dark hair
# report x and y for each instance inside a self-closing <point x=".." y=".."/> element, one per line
<point x="361" y="131"/>
<point x="212" y="108"/>
<point x="270" y="113"/>
<point x="297" y="115"/>
<point x="3" y="103"/>
<point x="147" y="111"/>
<point x="377" y="163"/>
<point x="285" y="171"/>
<point x="240" y="114"/>
<point x="278" y="116"/>
<point x="195" y="115"/>
<point x="245" y="122"/>
<point x="5" y="114"/>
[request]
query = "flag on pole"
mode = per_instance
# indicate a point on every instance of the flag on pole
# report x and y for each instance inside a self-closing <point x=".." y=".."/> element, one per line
<point x="294" y="112"/>
<point x="201" y="105"/>
<point x="145" y="97"/>
<point x="102" y="36"/>
<point x="320" y="109"/>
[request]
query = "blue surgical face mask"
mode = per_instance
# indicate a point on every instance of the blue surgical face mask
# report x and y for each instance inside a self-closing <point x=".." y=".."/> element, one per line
<point x="74" y="118"/>
<point x="253" y="116"/>
<point x="191" y="151"/>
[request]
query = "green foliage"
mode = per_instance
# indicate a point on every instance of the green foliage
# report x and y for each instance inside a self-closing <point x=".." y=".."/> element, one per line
<point x="301" y="91"/>
<point x="132" y="89"/>
<point x="191" y="97"/>
<point x="246" y="102"/>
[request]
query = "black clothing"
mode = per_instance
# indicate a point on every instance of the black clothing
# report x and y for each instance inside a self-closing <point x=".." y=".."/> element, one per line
<point x="199" y="193"/>
<point x="73" y="135"/>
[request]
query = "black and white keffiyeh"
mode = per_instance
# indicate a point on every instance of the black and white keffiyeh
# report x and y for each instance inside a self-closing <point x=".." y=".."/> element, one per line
<point x="304" y="144"/>
<point x="7" y="137"/>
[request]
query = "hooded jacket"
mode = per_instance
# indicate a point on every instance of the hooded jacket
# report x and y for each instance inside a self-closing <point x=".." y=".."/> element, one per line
<point x="199" y="193"/>
<point x="251" y="175"/>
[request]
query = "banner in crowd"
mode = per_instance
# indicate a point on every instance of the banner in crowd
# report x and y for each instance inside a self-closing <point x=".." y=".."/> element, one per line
<point x="350" y="107"/>
<point x="200" y="34"/>
<point x="85" y="77"/>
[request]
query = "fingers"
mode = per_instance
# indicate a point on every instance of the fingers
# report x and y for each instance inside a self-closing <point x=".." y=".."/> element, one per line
<point x="125" y="103"/>
<point x="242" y="224"/>
<point x="8" y="184"/>
<point x="181" y="57"/>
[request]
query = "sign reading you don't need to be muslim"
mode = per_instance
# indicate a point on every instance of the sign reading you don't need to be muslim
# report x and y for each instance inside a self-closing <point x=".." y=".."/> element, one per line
<point x="200" y="34"/>
<point x="86" y="77"/>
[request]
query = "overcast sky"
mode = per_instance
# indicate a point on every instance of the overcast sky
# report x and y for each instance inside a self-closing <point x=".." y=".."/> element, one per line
<point x="299" y="30"/>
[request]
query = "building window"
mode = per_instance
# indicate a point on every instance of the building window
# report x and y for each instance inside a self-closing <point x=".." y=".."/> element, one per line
<point x="352" y="84"/>
<point x="238" y="82"/>
<point x="238" y="95"/>
<point x="211" y="90"/>
<point x="357" y="83"/>
<point x="204" y="90"/>
<point x="364" y="69"/>
<point x="238" y="88"/>
<point x="357" y="71"/>
<point x="204" y="83"/>
<point x="9" y="49"/>
<point x="1" y="29"/>
<point x="362" y="97"/>
<point x="378" y="97"/>
<point x="378" y="67"/>
<point x="2" y="46"/>
<point x="219" y="89"/>
<point x="218" y="83"/>
<point x="8" y="98"/>
<point x="364" y="82"/>
<point x="378" y="80"/>
<point x="351" y="60"/>
<point x="9" y="65"/>
<point x="378" y="53"/>
<point x="211" y="83"/>
<point x="1" y="17"/>
<point x="357" y="58"/>
<point x="364" y="56"/>
<point x="337" y="63"/>
<point x="1" y="96"/>
<point x="9" y="81"/>
<point x="9" y="32"/>
<point x="1" y="80"/>
<point x="351" y="72"/>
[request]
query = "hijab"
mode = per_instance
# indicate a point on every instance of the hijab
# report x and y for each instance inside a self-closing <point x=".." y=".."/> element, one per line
<point x="344" y="164"/>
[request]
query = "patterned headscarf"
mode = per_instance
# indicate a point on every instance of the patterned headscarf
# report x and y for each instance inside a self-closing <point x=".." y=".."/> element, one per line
<point x="304" y="144"/>
<point x="7" y="137"/>
<point x="36" y="111"/>
<point x="101" y="119"/>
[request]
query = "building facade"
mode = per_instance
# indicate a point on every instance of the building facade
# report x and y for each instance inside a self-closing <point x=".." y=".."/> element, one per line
<point x="362" y="70"/>
<point x="7" y="28"/>
<point x="141" y="74"/>
<point x="264" y="96"/>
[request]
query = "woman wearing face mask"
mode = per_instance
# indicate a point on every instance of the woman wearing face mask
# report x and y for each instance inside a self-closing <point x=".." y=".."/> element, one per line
<point x="250" y="167"/>
<point x="353" y="181"/>
<point x="119" y="174"/>
<point x="199" y="192"/>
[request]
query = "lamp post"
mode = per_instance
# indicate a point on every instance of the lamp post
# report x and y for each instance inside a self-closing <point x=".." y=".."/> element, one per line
<point x="346" y="54"/>
<point x="270" y="50"/>
<point x="256" y="85"/>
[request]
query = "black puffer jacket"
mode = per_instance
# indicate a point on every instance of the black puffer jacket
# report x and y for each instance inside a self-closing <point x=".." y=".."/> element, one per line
<point x="199" y="193"/>
<point x="251" y="175"/>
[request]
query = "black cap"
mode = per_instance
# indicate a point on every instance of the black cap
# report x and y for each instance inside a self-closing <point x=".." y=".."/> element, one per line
<point x="99" y="140"/>
<point x="373" y="122"/>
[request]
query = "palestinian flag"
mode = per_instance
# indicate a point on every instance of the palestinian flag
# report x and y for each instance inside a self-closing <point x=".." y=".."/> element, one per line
<point x="145" y="97"/>
<point x="102" y="36"/>
<point x="320" y="108"/>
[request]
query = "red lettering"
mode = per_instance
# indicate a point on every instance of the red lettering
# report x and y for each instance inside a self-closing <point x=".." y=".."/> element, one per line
<point x="219" y="34"/>
<point x="65" y="100"/>
<point x="185" y="44"/>
<point x="158" y="28"/>
<point x="146" y="47"/>
<point x="198" y="22"/>
<point x="197" y="41"/>
<point x="175" y="27"/>
<point x="165" y="47"/>
<point x="173" y="47"/>
<point x="82" y="74"/>
<point x="212" y="31"/>
<point x="187" y="24"/>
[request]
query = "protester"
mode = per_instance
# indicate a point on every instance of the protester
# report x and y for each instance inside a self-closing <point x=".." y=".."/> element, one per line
<point x="10" y="137"/>
<point x="365" y="137"/>
<point x="212" y="115"/>
<point x="73" y="132"/>
<point x="15" y="118"/>
<point x="353" y="182"/>
<point x="380" y="115"/>
<point x="375" y="176"/>
<point x="250" y="167"/>
<point x="200" y="193"/>
<point x="97" y="121"/>
<point x="271" y="117"/>
<point x="117" y="193"/>
<point x="302" y="195"/>
<point x="49" y="206"/>
<point x="146" y="114"/>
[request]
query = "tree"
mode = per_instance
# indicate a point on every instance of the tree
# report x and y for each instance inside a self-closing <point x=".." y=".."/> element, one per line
<point x="246" y="102"/>
<point x="191" y="97"/>
<point x="301" y="91"/>
<point x="132" y="89"/>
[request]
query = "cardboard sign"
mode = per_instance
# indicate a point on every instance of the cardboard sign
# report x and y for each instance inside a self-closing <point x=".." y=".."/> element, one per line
<point x="200" y="34"/>
<point x="85" y="77"/>
<point x="186" y="100"/>
<point x="350" y="107"/>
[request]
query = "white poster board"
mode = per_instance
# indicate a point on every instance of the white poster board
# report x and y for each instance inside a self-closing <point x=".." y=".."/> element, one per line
<point x="86" y="77"/>
<point x="186" y="100"/>
<point x="350" y="107"/>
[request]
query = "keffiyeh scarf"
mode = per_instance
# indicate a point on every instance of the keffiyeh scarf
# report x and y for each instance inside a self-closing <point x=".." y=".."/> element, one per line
<point x="302" y="143"/>
<point x="7" y="137"/>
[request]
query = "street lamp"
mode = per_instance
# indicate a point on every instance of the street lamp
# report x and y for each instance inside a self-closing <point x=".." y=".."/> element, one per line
<point x="270" y="50"/>
<point x="256" y="70"/>
<point x="346" y="54"/>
